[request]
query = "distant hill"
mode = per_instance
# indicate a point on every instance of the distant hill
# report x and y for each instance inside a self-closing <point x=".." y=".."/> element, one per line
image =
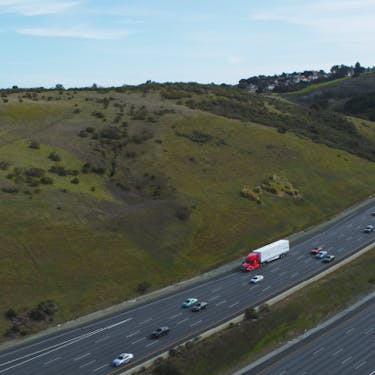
<point x="106" y="193"/>
<point x="351" y="96"/>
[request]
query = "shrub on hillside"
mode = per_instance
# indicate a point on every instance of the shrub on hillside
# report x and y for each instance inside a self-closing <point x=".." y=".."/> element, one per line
<point x="46" y="180"/>
<point x="11" y="190"/>
<point x="4" y="165"/>
<point x="10" y="313"/>
<point x="35" y="172"/>
<point x="143" y="287"/>
<point x="34" y="145"/>
<point x="54" y="156"/>
<point x="248" y="192"/>
<point x="182" y="213"/>
<point x="75" y="181"/>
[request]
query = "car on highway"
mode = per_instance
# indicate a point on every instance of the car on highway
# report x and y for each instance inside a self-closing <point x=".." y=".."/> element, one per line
<point x="161" y="331"/>
<point x="255" y="279"/>
<point x="122" y="359"/>
<point x="189" y="302"/>
<point x="328" y="258"/>
<point x="199" y="306"/>
<point x="316" y="250"/>
<point x="321" y="254"/>
<point x="373" y="213"/>
<point x="368" y="229"/>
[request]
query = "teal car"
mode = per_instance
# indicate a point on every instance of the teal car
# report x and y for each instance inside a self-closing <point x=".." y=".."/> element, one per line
<point x="190" y="302"/>
<point x="321" y="254"/>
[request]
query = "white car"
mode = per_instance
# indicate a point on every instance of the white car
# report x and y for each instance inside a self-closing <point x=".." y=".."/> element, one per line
<point x="255" y="279"/>
<point x="122" y="359"/>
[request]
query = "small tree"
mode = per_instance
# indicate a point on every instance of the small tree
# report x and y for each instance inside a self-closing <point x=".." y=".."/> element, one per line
<point x="54" y="156"/>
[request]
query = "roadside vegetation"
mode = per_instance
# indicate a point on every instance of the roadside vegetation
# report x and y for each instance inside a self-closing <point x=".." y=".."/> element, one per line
<point x="100" y="186"/>
<point x="270" y="327"/>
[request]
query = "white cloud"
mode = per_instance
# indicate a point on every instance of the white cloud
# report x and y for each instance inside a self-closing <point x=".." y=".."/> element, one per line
<point x="325" y="15"/>
<point x="77" y="32"/>
<point x="36" y="7"/>
<point x="345" y="23"/>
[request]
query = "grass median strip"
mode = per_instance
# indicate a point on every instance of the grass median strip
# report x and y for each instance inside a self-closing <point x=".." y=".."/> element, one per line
<point x="268" y="328"/>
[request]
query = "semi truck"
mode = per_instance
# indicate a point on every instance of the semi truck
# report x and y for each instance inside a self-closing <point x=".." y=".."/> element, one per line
<point x="265" y="254"/>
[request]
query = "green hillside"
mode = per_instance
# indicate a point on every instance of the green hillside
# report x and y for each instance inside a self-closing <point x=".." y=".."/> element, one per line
<point x="353" y="95"/>
<point x="108" y="193"/>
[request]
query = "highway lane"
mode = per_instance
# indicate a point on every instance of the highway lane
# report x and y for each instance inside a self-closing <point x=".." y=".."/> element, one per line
<point x="89" y="349"/>
<point x="347" y="347"/>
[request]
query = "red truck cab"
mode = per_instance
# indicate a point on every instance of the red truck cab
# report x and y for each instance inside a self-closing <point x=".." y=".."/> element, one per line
<point x="251" y="262"/>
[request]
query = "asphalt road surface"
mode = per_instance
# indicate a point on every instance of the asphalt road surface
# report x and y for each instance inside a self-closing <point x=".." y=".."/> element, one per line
<point x="346" y="347"/>
<point x="90" y="348"/>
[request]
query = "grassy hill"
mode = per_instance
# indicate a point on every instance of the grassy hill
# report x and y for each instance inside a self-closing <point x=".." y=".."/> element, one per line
<point x="353" y="96"/>
<point x="107" y="193"/>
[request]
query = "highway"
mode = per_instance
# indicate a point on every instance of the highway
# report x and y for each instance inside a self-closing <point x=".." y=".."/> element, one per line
<point x="90" y="348"/>
<point x="345" y="347"/>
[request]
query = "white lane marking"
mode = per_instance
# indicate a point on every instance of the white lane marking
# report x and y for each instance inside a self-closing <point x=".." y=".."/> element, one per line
<point x="82" y="356"/>
<point x="360" y="365"/>
<point x="139" y="340"/>
<point x="349" y="225"/>
<point x="341" y="235"/>
<point x="217" y="289"/>
<point x="213" y="298"/>
<point x="233" y="304"/>
<point x="88" y="363"/>
<point x="337" y="351"/>
<point x="368" y="330"/>
<point x="52" y="360"/>
<point x="182" y="321"/>
<point x="59" y="346"/>
<point x="175" y="316"/>
<point x="152" y="343"/>
<point x="282" y="273"/>
<point x="282" y="372"/>
<point x="346" y="360"/>
<point x="132" y="334"/>
<point x="275" y="269"/>
<point x="349" y="330"/>
<point x="196" y="323"/>
<point x="318" y="351"/>
<point x="340" y="249"/>
<point x="99" y="368"/>
<point x="220" y="303"/>
<point x="145" y="321"/>
<point x="300" y="257"/>
<point x="268" y="287"/>
<point x="295" y="274"/>
<point x="102" y="339"/>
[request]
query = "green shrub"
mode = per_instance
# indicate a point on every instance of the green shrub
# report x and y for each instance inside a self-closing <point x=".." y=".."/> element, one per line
<point x="34" y="145"/>
<point x="247" y="192"/>
<point x="54" y="156"/>
<point x="182" y="213"/>
<point x="35" y="172"/>
<point x="143" y="287"/>
<point x="4" y="165"/>
<point x="46" y="180"/>
<point x="10" y="314"/>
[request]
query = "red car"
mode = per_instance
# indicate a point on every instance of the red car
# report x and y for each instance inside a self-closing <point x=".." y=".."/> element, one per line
<point x="316" y="250"/>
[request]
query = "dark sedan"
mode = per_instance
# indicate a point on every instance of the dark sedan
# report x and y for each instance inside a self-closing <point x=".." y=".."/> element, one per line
<point x="161" y="331"/>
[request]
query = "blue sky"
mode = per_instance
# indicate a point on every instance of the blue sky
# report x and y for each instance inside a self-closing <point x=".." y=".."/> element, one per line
<point x="114" y="42"/>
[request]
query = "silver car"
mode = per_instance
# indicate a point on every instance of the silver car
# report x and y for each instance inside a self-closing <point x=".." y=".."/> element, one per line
<point x="122" y="359"/>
